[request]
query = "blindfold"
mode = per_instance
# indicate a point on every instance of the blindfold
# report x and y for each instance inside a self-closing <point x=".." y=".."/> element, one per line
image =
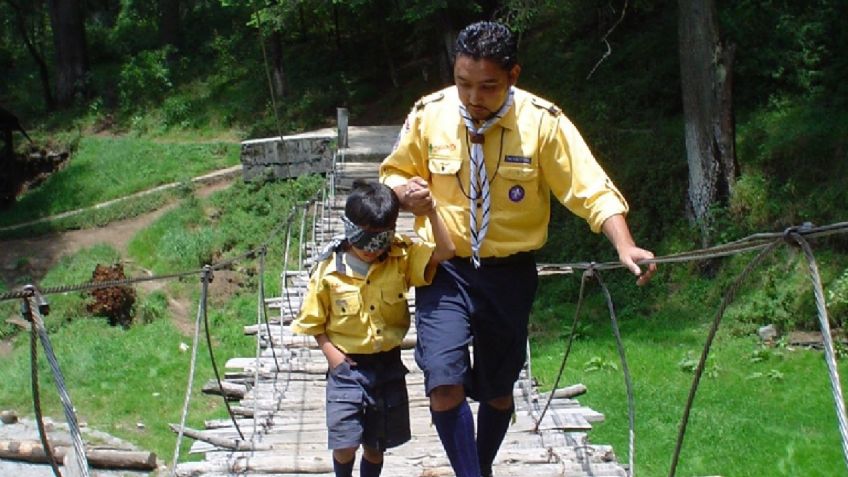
<point x="369" y="241"/>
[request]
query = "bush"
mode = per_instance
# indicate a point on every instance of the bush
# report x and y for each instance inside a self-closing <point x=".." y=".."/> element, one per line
<point x="154" y="307"/>
<point x="114" y="303"/>
<point x="145" y="78"/>
<point x="837" y="298"/>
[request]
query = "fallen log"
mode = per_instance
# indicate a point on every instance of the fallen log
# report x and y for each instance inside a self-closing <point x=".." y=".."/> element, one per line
<point x="101" y="458"/>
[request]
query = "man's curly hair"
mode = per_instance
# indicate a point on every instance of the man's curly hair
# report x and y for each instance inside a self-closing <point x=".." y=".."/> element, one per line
<point x="490" y="41"/>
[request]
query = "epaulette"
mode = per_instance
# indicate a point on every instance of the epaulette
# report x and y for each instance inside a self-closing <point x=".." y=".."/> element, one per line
<point x="546" y="105"/>
<point x="430" y="98"/>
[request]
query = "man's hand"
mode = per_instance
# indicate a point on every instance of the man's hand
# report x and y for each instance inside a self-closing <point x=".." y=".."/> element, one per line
<point x="415" y="196"/>
<point x="629" y="255"/>
<point x="616" y="230"/>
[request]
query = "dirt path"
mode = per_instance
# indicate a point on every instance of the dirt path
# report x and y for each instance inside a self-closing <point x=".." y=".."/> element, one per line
<point x="28" y="260"/>
<point x="21" y="258"/>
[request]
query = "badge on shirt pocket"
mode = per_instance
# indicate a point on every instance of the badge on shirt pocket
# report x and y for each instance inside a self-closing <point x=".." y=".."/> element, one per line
<point x="344" y="302"/>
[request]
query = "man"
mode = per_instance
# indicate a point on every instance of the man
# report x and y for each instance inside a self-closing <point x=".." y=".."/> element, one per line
<point x="491" y="155"/>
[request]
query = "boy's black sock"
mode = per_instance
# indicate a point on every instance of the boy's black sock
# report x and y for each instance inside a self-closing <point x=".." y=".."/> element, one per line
<point x="368" y="468"/>
<point x="343" y="470"/>
<point x="456" y="431"/>
<point x="492" y="424"/>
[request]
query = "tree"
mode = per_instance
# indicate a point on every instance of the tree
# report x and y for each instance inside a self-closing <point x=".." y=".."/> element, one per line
<point x="170" y="33"/>
<point x="29" y="24"/>
<point x="706" y="77"/>
<point x="67" y="20"/>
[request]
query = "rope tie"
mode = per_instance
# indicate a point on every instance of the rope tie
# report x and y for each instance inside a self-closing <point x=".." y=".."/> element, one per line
<point x="480" y="199"/>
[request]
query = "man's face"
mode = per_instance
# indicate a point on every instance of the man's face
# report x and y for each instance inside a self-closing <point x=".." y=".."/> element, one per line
<point x="482" y="85"/>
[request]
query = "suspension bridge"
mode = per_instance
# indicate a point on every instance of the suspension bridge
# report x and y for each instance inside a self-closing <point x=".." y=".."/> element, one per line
<point x="275" y="398"/>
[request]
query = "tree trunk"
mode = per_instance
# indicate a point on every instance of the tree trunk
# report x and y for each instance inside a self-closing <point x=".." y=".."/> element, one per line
<point x="67" y="20"/>
<point x="278" y="73"/>
<point x="31" y="42"/>
<point x="706" y="78"/>
<point x="169" y="23"/>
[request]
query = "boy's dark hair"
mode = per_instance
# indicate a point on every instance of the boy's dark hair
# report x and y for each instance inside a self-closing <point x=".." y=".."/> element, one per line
<point x="488" y="41"/>
<point x="371" y="204"/>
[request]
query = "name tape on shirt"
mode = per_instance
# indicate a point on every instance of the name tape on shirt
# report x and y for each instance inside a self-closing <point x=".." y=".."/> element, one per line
<point x="518" y="160"/>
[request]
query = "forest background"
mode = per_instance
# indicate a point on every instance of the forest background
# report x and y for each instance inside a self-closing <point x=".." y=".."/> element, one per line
<point x="106" y="78"/>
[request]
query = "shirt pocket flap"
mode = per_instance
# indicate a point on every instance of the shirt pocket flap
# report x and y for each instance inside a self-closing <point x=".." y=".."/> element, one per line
<point x="393" y="294"/>
<point x="345" y="302"/>
<point x="518" y="173"/>
<point x="444" y="165"/>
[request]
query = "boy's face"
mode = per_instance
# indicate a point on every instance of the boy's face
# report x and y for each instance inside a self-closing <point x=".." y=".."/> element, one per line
<point x="370" y="255"/>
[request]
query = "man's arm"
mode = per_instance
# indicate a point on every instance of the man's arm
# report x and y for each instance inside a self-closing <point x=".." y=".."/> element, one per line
<point x="616" y="229"/>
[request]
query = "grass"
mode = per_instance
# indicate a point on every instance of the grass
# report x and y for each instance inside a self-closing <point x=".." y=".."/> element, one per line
<point x="119" y="378"/>
<point x="105" y="168"/>
<point x="759" y="411"/>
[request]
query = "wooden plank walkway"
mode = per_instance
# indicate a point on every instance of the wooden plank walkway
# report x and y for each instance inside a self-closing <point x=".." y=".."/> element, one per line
<point x="282" y="410"/>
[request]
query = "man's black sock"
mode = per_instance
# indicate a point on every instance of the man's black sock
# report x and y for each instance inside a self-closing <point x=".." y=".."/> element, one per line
<point x="456" y="430"/>
<point x="343" y="470"/>
<point x="492" y="424"/>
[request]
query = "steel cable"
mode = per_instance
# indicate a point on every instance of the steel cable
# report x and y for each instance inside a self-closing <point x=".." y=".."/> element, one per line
<point x="699" y="370"/>
<point x="830" y="355"/>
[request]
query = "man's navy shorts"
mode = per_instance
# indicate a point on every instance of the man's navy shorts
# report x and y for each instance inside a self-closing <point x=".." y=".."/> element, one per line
<point x="367" y="402"/>
<point x="488" y="308"/>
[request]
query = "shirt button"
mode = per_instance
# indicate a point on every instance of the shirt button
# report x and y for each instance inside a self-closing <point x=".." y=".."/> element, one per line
<point x="400" y="295"/>
<point x="379" y="331"/>
<point x="343" y="310"/>
<point x="372" y="307"/>
<point x="479" y="205"/>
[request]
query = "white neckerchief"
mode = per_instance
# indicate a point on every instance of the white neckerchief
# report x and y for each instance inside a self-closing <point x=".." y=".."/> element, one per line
<point x="479" y="179"/>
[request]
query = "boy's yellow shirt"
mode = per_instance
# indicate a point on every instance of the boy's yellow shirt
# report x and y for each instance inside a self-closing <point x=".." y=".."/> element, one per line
<point x="365" y="315"/>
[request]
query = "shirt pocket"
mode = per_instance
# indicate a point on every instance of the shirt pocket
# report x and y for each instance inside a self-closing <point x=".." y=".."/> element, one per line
<point x="444" y="166"/>
<point x="518" y="173"/>
<point x="345" y="301"/>
<point x="395" y="305"/>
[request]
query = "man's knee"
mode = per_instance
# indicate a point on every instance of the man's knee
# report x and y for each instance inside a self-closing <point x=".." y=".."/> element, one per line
<point x="503" y="403"/>
<point x="344" y="456"/>
<point x="444" y="398"/>
<point x="373" y="455"/>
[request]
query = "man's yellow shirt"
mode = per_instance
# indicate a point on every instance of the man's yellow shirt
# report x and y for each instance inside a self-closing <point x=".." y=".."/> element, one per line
<point x="532" y="152"/>
<point x="364" y="315"/>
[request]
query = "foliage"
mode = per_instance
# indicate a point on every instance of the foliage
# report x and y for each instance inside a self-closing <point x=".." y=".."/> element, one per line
<point x="144" y="78"/>
<point x="114" y="303"/>
<point x="837" y="298"/>
<point x="153" y="307"/>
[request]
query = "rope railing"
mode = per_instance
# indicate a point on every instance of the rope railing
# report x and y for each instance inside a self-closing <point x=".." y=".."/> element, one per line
<point x="765" y="243"/>
<point x="33" y="308"/>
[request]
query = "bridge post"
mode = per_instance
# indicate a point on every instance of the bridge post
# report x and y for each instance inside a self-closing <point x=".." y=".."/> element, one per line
<point x="342" y="116"/>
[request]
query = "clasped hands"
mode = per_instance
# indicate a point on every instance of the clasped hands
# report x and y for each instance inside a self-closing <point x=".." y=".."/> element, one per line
<point x="415" y="196"/>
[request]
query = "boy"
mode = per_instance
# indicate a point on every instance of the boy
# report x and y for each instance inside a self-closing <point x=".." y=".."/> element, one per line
<point x="356" y="309"/>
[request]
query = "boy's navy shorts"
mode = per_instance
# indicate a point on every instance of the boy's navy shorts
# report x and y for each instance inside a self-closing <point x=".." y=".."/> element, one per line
<point x="367" y="402"/>
<point x="488" y="308"/>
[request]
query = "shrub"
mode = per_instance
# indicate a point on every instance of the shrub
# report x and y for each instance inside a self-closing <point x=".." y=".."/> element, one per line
<point x="114" y="303"/>
<point x="154" y="307"/>
<point x="144" y="78"/>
